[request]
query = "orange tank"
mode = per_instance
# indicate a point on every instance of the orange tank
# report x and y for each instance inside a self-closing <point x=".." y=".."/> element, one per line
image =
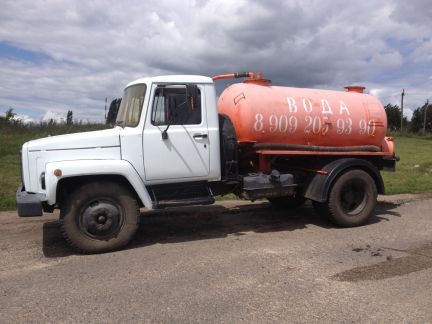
<point x="273" y="117"/>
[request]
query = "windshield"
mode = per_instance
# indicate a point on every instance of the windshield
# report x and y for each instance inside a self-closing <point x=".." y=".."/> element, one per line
<point x="131" y="105"/>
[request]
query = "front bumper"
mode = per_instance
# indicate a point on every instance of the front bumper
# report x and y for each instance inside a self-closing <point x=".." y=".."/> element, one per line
<point x="29" y="204"/>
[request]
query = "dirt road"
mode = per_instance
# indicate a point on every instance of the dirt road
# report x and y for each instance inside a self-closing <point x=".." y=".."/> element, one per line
<point x="231" y="262"/>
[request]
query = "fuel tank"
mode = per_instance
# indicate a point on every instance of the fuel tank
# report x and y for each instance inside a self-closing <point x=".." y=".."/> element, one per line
<point x="283" y="116"/>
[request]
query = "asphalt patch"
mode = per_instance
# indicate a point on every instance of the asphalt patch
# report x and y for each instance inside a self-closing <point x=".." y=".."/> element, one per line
<point x="417" y="260"/>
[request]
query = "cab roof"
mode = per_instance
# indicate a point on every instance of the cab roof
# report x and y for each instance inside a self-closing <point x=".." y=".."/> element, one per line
<point x="173" y="79"/>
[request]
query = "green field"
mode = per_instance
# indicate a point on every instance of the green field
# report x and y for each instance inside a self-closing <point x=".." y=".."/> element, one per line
<point x="414" y="170"/>
<point x="413" y="175"/>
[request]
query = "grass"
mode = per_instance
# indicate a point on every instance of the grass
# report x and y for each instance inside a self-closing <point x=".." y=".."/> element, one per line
<point x="9" y="181"/>
<point x="414" y="170"/>
<point x="413" y="174"/>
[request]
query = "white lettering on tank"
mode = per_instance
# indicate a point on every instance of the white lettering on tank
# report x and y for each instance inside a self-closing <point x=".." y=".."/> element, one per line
<point x="308" y="127"/>
<point x="273" y="121"/>
<point x="342" y="108"/>
<point x="362" y="126"/>
<point x="371" y="127"/>
<point x="292" y="124"/>
<point x="307" y="105"/>
<point x="258" y="125"/>
<point x="283" y="123"/>
<point x="292" y="105"/>
<point x="344" y="126"/>
<point x="348" y="129"/>
<point x="326" y="109"/>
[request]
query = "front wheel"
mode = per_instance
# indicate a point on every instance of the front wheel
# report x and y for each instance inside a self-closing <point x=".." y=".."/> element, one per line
<point x="352" y="199"/>
<point x="99" y="217"/>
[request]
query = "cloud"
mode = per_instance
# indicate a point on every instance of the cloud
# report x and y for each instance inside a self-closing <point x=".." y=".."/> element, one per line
<point x="55" y="116"/>
<point x="87" y="51"/>
<point x="423" y="53"/>
<point x="25" y="119"/>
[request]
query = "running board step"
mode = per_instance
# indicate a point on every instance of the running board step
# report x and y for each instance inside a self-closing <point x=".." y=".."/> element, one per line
<point x="181" y="194"/>
<point x="185" y="202"/>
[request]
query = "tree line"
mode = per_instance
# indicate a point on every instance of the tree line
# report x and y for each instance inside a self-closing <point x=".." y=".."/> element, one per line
<point x="10" y="119"/>
<point x="421" y="119"/>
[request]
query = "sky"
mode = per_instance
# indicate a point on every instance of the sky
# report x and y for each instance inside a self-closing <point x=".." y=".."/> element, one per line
<point x="59" y="55"/>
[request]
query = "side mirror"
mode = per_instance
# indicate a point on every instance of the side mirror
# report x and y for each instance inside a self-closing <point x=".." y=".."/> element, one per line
<point x="192" y="93"/>
<point x="165" y="133"/>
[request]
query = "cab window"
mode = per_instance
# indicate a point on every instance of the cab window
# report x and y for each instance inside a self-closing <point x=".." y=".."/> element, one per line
<point x="131" y="105"/>
<point x="170" y="106"/>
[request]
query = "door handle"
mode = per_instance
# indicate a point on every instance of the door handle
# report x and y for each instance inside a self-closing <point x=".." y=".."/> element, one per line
<point x="200" y="136"/>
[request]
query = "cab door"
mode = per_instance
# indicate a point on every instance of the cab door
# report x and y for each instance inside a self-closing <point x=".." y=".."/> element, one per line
<point x="185" y="152"/>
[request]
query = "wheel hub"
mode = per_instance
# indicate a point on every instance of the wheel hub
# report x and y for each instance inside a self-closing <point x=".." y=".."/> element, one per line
<point x="101" y="219"/>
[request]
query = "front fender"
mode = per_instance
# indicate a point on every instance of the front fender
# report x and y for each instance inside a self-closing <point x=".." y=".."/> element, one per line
<point x="94" y="167"/>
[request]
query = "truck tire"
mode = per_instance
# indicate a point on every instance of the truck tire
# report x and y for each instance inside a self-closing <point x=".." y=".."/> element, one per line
<point x="352" y="199"/>
<point x="99" y="217"/>
<point x="287" y="202"/>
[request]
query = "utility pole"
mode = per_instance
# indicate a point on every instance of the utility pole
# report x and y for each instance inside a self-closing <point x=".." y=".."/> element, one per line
<point x="105" y="108"/>
<point x="402" y="99"/>
<point x="424" y="118"/>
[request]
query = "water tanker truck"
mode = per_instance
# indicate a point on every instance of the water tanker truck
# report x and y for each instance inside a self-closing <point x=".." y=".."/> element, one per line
<point x="175" y="143"/>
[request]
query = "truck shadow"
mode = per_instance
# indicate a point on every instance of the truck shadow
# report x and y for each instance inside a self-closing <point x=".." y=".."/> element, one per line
<point x="208" y="222"/>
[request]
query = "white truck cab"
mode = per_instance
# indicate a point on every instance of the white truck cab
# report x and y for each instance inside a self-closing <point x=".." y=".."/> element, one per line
<point x="158" y="138"/>
<point x="134" y="148"/>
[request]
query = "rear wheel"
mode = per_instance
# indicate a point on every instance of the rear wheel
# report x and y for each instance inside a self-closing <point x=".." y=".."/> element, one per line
<point x="352" y="199"/>
<point x="99" y="217"/>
